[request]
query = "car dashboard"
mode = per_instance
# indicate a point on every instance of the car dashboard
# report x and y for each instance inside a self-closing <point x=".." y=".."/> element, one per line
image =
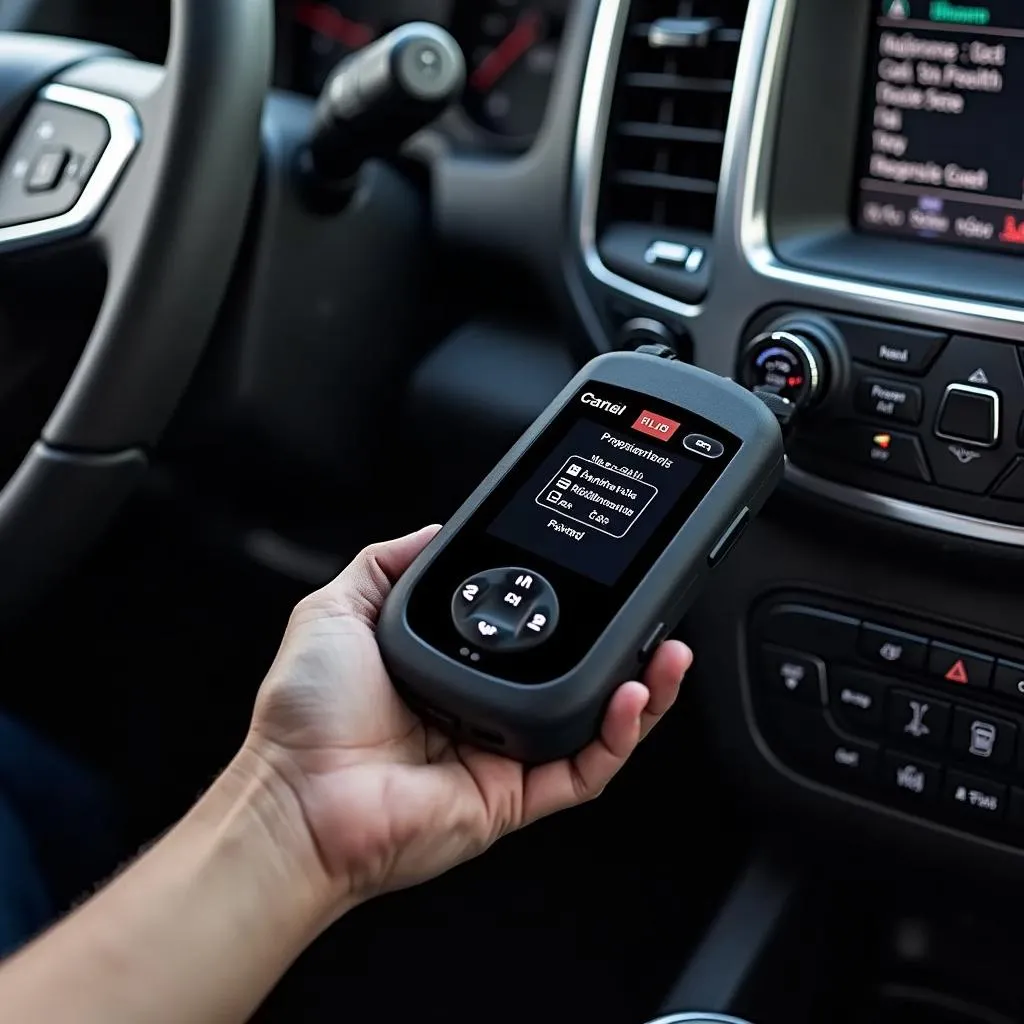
<point x="821" y="197"/>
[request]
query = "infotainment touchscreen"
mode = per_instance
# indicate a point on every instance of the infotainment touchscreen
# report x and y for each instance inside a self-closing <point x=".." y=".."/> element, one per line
<point x="942" y="150"/>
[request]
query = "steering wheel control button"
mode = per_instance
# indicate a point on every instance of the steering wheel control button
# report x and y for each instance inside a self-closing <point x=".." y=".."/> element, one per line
<point x="50" y="162"/>
<point x="887" y="451"/>
<point x="969" y="415"/>
<point x="896" y="650"/>
<point x="1008" y="680"/>
<point x="799" y="677"/>
<point x="48" y="169"/>
<point x="890" y="346"/>
<point x="856" y="700"/>
<point x="918" y="720"/>
<point x="983" y="738"/>
<point x="506" y="609"/>
<point x="980" y="799"/>
<point x="892" y="400"/>
<point x="910" y="778"/>
<point x="960" y="667"/>
<point x="705" y="447"/>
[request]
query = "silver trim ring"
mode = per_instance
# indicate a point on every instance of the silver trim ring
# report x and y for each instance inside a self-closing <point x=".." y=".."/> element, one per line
<point x="698" y="1018"/>
<point x="125" y="136"/>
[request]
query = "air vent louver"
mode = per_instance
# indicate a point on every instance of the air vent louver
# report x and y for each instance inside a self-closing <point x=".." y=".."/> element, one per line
<point x="663" y="156"/>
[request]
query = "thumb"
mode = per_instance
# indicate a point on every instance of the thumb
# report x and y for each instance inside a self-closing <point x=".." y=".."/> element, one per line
<point x="368" y="580"/>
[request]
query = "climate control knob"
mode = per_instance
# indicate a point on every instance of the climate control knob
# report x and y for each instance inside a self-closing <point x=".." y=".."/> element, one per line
<point x="800" y="362"/>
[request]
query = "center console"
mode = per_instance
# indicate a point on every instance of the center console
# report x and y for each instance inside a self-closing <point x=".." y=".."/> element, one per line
<point x="845" y="176"/>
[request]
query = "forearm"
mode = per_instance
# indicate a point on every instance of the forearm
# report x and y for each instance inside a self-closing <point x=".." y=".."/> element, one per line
<point x="199" y="930"/>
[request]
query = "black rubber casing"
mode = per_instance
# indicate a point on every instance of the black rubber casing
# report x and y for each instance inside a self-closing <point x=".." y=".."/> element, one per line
<point x="539" y="723"/>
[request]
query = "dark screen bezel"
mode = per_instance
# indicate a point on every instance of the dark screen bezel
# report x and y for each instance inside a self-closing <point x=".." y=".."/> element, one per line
<point x="813" y="158"/>
<point x="586" y="607"/>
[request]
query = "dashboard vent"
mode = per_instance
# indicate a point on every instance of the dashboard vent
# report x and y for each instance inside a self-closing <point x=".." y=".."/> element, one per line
<point x="666" y="133"/>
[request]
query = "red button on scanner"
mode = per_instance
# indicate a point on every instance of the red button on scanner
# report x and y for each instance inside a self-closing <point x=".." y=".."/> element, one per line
<point x="656" y="426"/>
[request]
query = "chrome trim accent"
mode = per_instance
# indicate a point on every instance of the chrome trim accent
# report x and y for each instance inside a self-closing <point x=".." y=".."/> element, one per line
<point x="698" y="1018"/>
<point x="907" y="511"/>
<point x="588" y="160"/>
<point x="968" y="389"/>
<point x="812" y="360"/>
<point x="125" y="136"/>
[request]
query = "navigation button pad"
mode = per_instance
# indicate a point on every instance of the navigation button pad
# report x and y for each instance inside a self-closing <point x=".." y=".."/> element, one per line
<point x="505" y="609"/>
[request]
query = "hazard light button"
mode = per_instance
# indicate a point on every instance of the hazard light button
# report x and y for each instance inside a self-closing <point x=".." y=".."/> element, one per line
<point x="960" y="667"/>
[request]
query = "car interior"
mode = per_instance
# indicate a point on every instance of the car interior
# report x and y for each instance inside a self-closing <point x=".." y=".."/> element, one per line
<point x="243" y="335"/>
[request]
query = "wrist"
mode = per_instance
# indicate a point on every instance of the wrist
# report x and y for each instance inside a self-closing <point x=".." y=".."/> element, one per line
<point x="255" y="801"/>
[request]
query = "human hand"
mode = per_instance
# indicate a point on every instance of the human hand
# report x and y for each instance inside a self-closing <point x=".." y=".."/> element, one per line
<point x="388" y="800"/>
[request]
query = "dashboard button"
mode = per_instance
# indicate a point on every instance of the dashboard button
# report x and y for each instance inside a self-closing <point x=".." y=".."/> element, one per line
<point x="853" y="759"/>
<point x="918" y="720"/>
<point x="890" y="345"/>
<point x="799" y="677"/>
<point x="970" y="415"/>
<point x="1008" y="679"/>
<point x="893" y="400"/>
<point x="983" y="738"/>
<point x="1011" y="487"/>
<point x="855" y="699"/>
<point x="910" y="777"/>
<point x="893" y="648"/>
<point x="828" y="634"/>
<point x="885" y="450"/>
<point x="959" y="666"/>
<point x="973" y="797"/>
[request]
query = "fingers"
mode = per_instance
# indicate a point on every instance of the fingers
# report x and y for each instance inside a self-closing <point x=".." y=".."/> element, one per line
<point x="563" y="784"/>
<point x="634" y="710"/>
<point x="663" y="678"/>
<point x="368" y="580"/>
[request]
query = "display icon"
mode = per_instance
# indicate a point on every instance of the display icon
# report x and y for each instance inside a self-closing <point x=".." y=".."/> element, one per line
<point x="910" y="778"/>
<point x="574" y="470"/>
<point x="958" y="673"/>
<point x="916" y="726"/>
<point x="792" y="675"/>
<point x="983" y="739"/>
<point x="883" y="441"/>
<point x="898" y="9"/>
<point x="978" y="377"/>
<point x="555" y="497"/>
<point x="890" y="652"/>
<point x="564" y="483"/>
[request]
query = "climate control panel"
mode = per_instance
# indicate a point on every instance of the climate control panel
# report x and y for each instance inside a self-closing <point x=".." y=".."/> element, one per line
<point x="897" y="410"/>
<point x="914" y="714"/>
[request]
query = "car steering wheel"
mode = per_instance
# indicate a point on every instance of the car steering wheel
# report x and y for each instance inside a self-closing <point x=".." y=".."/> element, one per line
<point x="154" y="169"/>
